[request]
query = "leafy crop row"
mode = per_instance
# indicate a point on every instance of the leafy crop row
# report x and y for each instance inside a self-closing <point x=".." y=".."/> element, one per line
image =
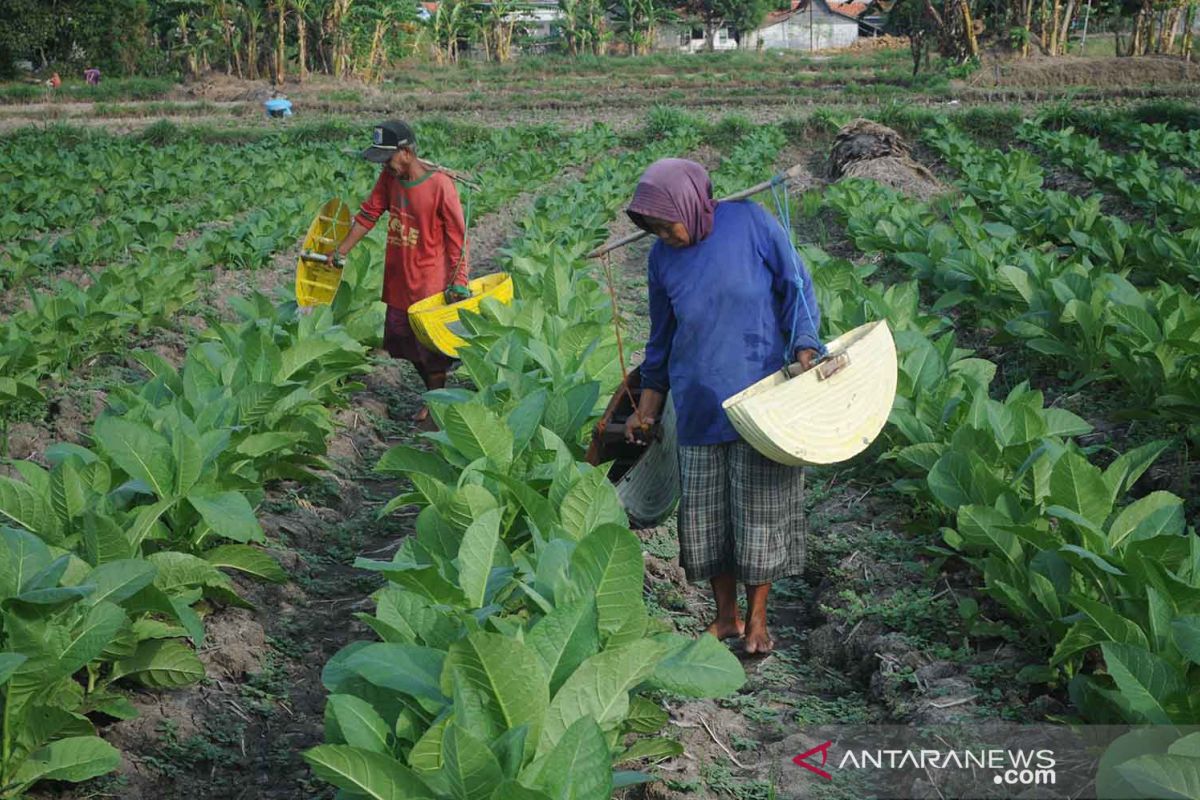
<point x="1168" y="193"/>
<point x="1065" y="304"/>
<point x="1057" y="539"/>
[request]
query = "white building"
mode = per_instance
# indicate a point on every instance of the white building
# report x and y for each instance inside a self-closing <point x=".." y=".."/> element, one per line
<point x="808" y="25"/>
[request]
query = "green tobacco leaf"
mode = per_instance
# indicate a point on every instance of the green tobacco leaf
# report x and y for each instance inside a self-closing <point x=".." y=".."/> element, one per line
<point x="178" y="572"/>
<point x="74" y="759"/>
<point x="986" y="528"/>
<point x="22" y="506"/>
<point x="576" y="766"/>
<point x="1156" y="514"/>
<point x="591" y="502"/>
<point x="539" y="510"/>
<point x="1146" y="682"/>
<point x="477" y="432"/>
<point x="145" y="521"/>
<point x="301" y="354"/>
<point x="1129" y="466"/>
<point x="117" y="581"/>
<point x="599" y="689"/>
<point x="245" y="558"/>
<point x="403" y="460"/>
<point x="505" y="675"/>
<point x="608" y="565"/>
<point x="565" y="638"/>
<point x="104" y="541"/>
<point x="645" y="716"/>
<point x="470" y="768"/>
<point x="24" y="555"/>
<point x="1079" y="486"/>
<point x="142" y="453"/>
<point x="1186" y="746"/>
<point x="260" y="444"/>
<point x="525" y="418"/>
<point x="9" y="662"/>
<point x="161" y="664"/>
<point x="1186" y="630"/>
<point x="700" y="667"/>
<point x="651" y="749"/>
<point x="189" y="461"/>
<point x="409" y="669"/>
<point x="511" y="790"/>
<point x="426" y="755"/>
<point x="89" y="637"/>
<point x="356" y="723"/>
<point x="228" y="514"/>
<point x="476" y="555"/>
<point x="366" y="773"/>
<point x="1163" y="776"/>
<point x="951" y="480"/>
<point x="1114" y="626"/>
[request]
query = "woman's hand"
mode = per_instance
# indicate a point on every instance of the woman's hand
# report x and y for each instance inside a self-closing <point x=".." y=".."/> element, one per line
<point x="806" y="358"/>
<point x="637" y="427"/>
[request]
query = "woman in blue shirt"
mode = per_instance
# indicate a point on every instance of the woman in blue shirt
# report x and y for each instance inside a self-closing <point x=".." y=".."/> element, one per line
<point x="730" y="303"/>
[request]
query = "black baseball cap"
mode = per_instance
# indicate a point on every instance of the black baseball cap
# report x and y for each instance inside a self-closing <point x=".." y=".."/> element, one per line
<point x="387" y="138"/>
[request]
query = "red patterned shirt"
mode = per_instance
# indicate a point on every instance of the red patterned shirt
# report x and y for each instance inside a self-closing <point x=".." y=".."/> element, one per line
<point x="426" y="235"/>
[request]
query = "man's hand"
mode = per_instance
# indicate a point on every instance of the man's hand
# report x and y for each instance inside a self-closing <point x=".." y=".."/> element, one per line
<point x="637" y="429"/>
<point x="806" y="358"/>
<point x="457" y="292"/>
<point x="337" y="259"/>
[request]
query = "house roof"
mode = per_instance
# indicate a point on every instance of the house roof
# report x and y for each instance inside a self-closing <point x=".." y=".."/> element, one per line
<point x="854" y="10"/>
<point x="775" y="17"/>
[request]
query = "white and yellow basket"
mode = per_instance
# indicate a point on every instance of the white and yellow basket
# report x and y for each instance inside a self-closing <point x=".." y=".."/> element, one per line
<point x="828" y="414"/>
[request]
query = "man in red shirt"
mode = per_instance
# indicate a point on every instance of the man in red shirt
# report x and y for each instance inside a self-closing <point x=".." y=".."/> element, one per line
<point x="426" y="249"/>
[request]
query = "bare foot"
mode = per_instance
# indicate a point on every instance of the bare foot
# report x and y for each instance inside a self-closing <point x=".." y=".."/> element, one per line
<point x="758" y="640"/>
<point x="727" y="629"/>
<point x="421" y="415"/>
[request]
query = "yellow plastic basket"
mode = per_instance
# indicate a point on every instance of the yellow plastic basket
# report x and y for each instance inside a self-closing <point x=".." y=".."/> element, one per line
<point x="316" y="282"/>
<point x="432" y="317"/>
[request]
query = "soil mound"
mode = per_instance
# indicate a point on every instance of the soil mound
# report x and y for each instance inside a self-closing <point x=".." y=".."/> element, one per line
<point x="866" y="149"/>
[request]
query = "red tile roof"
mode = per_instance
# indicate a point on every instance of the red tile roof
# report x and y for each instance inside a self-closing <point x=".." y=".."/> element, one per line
<point x="775" y="17"/>
<point x="852" y="9"/>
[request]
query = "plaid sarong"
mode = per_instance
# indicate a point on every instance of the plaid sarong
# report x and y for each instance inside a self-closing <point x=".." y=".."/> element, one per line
<point x="740" y="512"/>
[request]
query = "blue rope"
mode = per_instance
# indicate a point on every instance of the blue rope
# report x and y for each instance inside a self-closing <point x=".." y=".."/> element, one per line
<point x="783" y="210"/>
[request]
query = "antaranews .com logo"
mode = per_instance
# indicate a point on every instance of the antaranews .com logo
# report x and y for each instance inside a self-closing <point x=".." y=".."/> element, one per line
<point x="1006" y="766"/>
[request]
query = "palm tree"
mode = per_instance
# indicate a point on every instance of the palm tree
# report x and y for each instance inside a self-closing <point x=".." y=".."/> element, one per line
<point x="280" y="44"/>
<point x="301" y="9"/>
<point x="254" y="20"/>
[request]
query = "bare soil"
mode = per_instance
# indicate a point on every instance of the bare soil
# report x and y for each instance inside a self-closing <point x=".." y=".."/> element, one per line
<point x="1079" y="71"/>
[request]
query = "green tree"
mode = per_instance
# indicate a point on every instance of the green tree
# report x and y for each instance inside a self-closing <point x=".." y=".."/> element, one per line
<point x="72" y="33"/>
<point x="741" y="16"/>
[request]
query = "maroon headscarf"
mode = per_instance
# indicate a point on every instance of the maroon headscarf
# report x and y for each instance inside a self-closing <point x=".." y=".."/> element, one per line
<point x="676" y="190"/>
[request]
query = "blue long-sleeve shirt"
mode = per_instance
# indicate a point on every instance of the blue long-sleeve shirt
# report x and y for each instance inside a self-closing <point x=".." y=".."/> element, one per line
<point x="722" y="314"/>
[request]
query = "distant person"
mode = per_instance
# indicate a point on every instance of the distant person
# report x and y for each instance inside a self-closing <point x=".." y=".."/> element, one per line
<point x="730" y="303"/>
<point x="54" y="81"/>
<point x="426" y="250"/>
<point x="92" y="76"/>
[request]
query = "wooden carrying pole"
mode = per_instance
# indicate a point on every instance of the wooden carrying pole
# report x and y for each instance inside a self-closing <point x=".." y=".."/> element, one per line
<point x="782" y="177"/>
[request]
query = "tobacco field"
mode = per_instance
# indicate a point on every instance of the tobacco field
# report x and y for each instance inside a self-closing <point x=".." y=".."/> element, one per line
<point x="183" y="448"/>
